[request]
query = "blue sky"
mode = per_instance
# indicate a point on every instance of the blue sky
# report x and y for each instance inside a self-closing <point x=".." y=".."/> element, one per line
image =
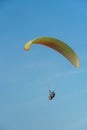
<point x="26" y="77"/>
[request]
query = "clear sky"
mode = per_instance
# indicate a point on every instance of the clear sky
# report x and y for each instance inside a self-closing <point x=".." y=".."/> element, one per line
<point x="27" y="76"/>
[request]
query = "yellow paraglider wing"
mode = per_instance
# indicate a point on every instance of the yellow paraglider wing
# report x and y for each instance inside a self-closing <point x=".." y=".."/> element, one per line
<point x="57" y="45"/>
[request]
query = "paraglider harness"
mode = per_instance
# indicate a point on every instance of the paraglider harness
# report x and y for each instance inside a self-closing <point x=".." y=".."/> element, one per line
<point x="51" y="95"/>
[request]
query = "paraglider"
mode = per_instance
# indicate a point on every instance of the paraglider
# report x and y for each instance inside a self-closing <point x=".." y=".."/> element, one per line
<point x="58" y="46"/>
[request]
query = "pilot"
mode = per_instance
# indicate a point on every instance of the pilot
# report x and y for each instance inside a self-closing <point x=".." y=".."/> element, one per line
<point x="51" y="95"/>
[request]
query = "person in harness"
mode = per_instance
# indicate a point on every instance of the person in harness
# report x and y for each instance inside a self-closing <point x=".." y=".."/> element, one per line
<point x="51" y="95"/>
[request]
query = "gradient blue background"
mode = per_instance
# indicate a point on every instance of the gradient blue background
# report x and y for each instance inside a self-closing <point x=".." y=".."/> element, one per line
<point x="27" y="76"/>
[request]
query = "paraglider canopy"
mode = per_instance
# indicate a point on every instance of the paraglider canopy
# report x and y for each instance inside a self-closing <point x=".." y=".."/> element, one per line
<point x="57" y="45"/>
